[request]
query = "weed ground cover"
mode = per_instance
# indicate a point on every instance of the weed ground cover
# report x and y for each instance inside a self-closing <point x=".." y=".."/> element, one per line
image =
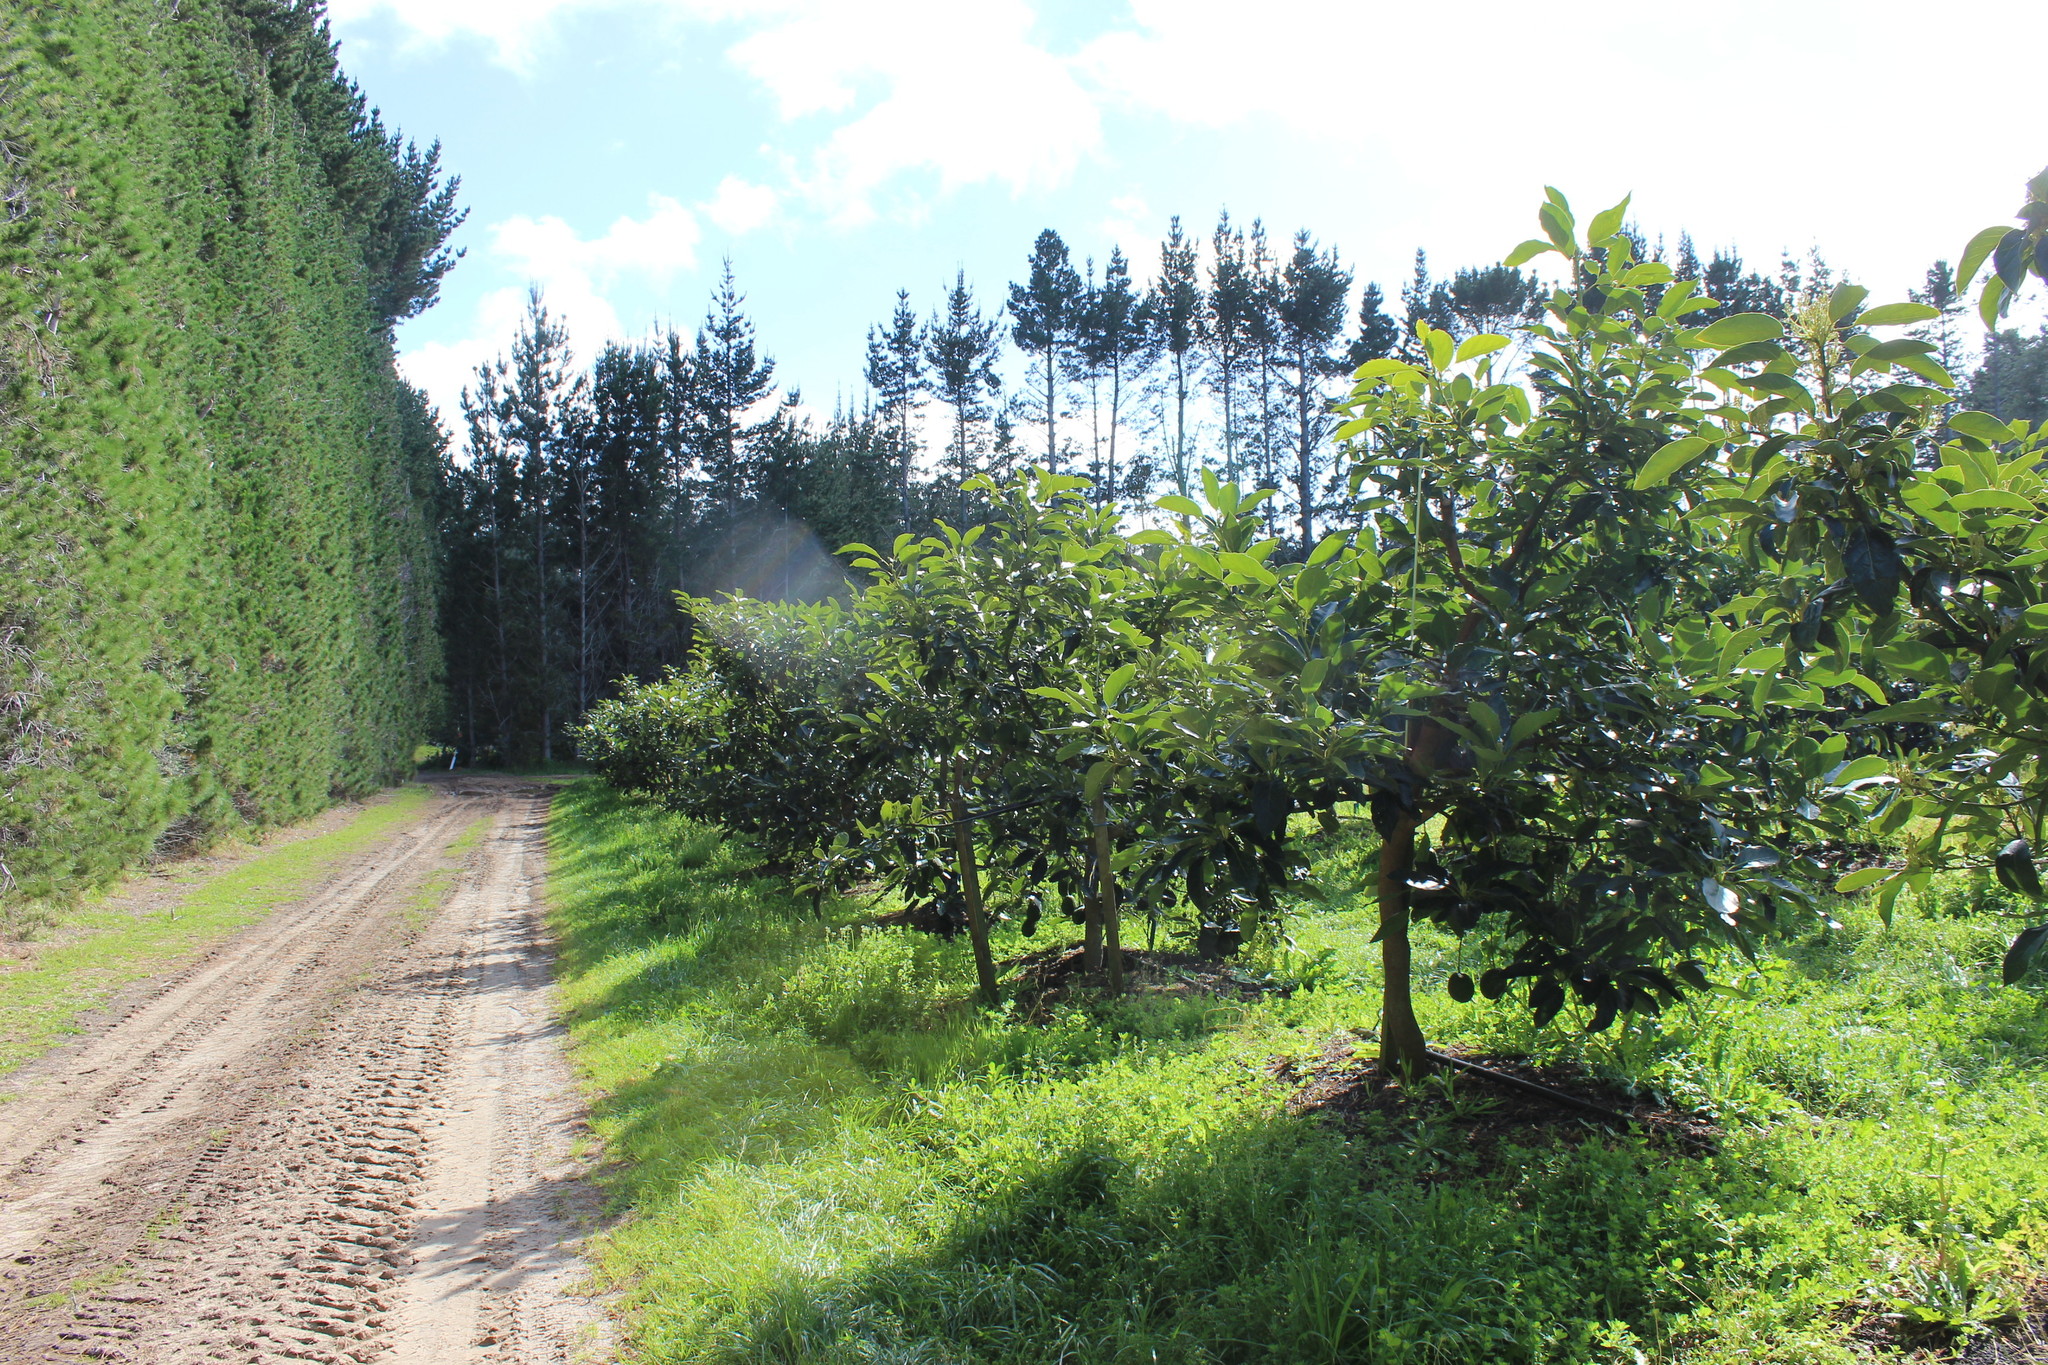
<point x="824" y="1152"/>
<point x="107" y="944"/>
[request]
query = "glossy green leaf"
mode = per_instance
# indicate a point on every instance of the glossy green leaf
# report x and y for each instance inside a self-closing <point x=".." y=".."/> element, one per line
<point x="1472" y="347"/>
<point x="1669" y="458"/>
<point x="1740" y="329"/>
<point x="1556" y="221"/>
<point x="1896" y="315"/>
<point x="1607" y="222"/>
<point x="1992" y="499"/>
<point x="1981" y="425"/>
<point x="1979" y="251"/>
<point x="1113" y="686"/>
<point x="1863" y="877"/>
<point x="1528" y="251"/>
<point x="1859" y="770"/>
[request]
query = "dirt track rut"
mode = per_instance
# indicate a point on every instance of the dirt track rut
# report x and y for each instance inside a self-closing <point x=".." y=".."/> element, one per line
<point x="344" y="1135"/>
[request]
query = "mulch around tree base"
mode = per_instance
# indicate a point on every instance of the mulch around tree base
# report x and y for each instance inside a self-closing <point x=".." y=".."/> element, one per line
<point x="1480" y="1111"/>
<point x="1048" y="975"/>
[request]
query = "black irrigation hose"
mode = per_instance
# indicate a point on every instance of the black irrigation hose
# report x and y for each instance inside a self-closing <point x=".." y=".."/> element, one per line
<point x="1536" y="1088"/>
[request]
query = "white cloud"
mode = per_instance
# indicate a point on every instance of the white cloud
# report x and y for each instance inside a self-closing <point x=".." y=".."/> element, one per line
<point x="514" y="27"/>
<point x="960" y="92"/>
<point x="575" y="275"/>
<point x="739" y="207"/>
<point x="963" y="92"/>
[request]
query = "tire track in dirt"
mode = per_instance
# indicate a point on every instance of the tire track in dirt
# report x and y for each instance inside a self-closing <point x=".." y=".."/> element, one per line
<point x="345" y="1136"/>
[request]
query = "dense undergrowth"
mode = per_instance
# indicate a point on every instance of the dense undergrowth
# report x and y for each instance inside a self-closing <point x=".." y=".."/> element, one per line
<point x="824" y="1151"/>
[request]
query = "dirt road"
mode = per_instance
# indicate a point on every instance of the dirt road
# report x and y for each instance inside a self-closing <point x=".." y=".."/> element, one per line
<point x="347" y="1134"/>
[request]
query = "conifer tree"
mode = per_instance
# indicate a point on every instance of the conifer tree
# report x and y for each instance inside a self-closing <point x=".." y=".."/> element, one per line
<point x="1230" y="327"/>
<point x="540" y="389"/>
<point x="680" y="440"/>
<point x="1265" y="347"/>
<point x="961" y="347"/>
<point x="1494" y="298"/>
<point x="730" y="379"/>
<point x="2012" y="382"/>
<point x="1044" y="313"/>
<point x="1310" y="313"/>
<point x="896" y="372"/>
<point x="1942" y="292"/>
<point x="1176" y="314"/>
<point x="1116" y="339"/>
<point x="1378" y="334"/>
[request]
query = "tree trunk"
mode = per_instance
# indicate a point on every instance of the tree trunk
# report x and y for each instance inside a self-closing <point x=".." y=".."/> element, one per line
<point x="970" y="888"/>
<point x="1305" y="475"/>
<point x="1091" y="916"/>
<point x="903" y="461"/>
<point x="1403" y="1052"/>
<point x="1180" y="425"/>
<point x="1105" y="899"/>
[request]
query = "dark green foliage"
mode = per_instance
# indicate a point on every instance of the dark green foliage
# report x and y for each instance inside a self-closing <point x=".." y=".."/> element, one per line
<point x="216" y="536"/>
<point x="589" y="499"/>
<point x="2012" y="383"/>
<point x="1309" y="312"/>
<point x="1045" y="314"/>
<point x="961" y="348"/>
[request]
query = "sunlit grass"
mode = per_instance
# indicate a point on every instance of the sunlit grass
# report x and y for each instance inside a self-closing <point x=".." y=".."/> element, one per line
<point x="98" y="949"/>
<point x="829" y="1153"/>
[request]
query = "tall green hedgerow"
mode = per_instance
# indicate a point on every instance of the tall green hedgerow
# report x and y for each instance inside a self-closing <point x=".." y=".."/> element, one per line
<point x="215" y="491"/>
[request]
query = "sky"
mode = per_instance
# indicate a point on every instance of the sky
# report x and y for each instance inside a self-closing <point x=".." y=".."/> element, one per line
<point x="616" y="152"/>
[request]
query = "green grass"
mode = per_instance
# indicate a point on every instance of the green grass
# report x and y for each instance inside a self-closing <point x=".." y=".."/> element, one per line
<point x="100" y="949"/>
<point x="826" y="1153"/>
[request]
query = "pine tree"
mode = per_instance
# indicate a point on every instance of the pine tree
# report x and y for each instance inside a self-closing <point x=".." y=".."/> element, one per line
<point x="540" y="389"/>
<point x="1176" y="314"/>
<point x="1724" y="281"/>
<point x="490" y="488"/>
<point x="1044" y="315"/>
<point x="1310" y="311"/>
<point x="2012" y="382"/>
<point x="1116" y="341"/>
<point x="896" y="372"/>
<point x="1940" y="292"/>
<point x="1230" y="326"/>
<point x="1495" y="298"/>
<point x="1265" y="347"/>
<point x="961" y="347"/>
<point x="1424" y="300"/>
<point x="731" y="379"/>
<point x="1378" y="334"/>
<point x="678" y="435"/>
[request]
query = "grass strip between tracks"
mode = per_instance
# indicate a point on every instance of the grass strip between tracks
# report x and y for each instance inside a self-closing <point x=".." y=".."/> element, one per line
<point x="103" y="947"/>
<point x="823" y="1151"/>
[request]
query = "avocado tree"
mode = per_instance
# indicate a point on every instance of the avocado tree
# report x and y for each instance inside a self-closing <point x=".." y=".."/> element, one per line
<point x="1563" y="726"/>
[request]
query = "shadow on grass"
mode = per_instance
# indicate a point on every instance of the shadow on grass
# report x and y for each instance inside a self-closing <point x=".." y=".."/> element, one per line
<point x="1269" y="1239"/>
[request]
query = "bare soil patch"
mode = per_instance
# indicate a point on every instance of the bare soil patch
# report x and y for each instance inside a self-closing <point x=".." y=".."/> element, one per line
<point x="1481" y="1114"/>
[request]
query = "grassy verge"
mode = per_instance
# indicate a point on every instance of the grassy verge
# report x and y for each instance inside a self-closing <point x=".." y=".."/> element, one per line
<point x="827" y="1154"/>
<point x="104" y="949"/>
